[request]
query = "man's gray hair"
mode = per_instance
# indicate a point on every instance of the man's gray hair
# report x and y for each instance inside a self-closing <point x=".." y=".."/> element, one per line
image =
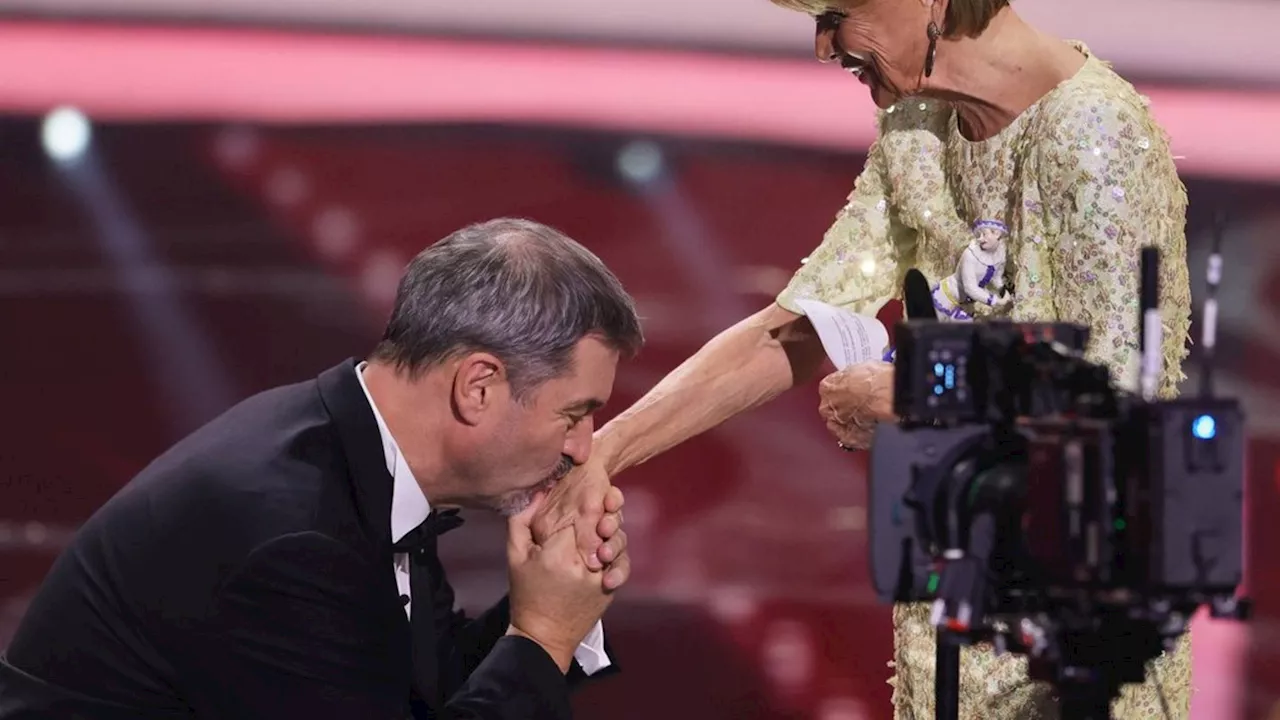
<point x="517" y="289"/>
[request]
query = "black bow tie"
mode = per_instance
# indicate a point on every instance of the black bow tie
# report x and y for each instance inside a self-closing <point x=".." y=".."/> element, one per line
<point x="437" y="523"/>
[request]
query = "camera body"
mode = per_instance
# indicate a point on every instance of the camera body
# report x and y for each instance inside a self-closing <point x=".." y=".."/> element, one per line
<point x="1040" y="508"/>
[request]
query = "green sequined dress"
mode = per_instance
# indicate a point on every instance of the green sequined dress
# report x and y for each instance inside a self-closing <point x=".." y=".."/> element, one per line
<point x="1083" y="179"/>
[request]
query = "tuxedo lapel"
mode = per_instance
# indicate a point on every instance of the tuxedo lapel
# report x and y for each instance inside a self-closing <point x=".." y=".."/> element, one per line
<point x="372" y="487"/>
<point x="426" y="668"/>
<point x="371" y="484"/>
<point x="357" y="429"/>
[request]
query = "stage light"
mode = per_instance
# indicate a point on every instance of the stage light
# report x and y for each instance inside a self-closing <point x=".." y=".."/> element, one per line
<point x="640" y="162"/>
<point x="237" y="147"/>
<point x="335" y="231"/>
<point x="380" y="277"/>
<point x="287" y="187"/>
<point x="66" y="134"/>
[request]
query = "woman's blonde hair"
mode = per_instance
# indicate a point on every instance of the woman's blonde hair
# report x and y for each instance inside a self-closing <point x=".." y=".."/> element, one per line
<point x="964" y="17"/>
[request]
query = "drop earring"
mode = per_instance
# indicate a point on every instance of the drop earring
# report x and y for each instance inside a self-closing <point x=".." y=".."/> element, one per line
<point x="934" y="34"/>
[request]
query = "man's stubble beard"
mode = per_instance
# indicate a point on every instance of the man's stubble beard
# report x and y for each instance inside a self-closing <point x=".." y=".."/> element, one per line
<point x="516" y="502"/>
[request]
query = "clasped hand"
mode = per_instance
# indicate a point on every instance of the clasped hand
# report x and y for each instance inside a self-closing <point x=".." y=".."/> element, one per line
<point x="556" y="597"/>
<point x="586" y="502"/>
<point x="853" y="400"/>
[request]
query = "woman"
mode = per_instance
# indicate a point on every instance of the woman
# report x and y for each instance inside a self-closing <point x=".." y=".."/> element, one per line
<point x="985" y="122"/>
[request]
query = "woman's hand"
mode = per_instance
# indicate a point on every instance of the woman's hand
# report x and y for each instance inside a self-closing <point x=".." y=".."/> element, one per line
<point x="586" y="501"/>
<point x="853" y="400"/>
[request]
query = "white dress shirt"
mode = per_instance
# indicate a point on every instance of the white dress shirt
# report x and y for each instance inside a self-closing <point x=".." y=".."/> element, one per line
<point x="409" y="508"/>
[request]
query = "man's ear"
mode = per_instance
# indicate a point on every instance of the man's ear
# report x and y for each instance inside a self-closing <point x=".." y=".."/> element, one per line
<point x="479" y="386"/>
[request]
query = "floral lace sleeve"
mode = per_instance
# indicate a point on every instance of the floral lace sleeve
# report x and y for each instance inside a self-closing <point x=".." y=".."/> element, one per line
<point x="858" y="266"/>
<point x="1111" y="167"/>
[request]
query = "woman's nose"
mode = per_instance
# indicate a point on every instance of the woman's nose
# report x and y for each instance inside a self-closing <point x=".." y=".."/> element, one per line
<point x="824" y="46"/>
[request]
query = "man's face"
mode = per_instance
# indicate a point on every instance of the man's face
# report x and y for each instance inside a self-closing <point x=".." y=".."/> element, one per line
<point x="533" y="444"/>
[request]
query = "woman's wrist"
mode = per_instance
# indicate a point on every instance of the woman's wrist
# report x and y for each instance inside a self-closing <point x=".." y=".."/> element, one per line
<point x="604" y="448"/>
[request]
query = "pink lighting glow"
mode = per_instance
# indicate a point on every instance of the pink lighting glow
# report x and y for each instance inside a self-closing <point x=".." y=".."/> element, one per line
<point x="122" y="73"/>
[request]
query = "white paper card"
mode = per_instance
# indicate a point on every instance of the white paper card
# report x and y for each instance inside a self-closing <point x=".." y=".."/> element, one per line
<point x="848" y="338"/>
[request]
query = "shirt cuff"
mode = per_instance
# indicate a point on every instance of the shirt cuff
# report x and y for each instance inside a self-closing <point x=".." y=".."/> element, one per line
<point x="590" y="653"/>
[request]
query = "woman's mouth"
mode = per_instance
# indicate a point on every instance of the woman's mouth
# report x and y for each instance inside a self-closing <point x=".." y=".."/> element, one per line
<point x="860" y="66"/>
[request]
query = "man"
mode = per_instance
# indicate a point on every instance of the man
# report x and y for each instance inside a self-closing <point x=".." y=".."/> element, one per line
<point x="276" y="563"/>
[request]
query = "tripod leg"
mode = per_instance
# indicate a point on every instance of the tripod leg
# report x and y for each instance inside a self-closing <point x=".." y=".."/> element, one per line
<point x="947" y="679"/>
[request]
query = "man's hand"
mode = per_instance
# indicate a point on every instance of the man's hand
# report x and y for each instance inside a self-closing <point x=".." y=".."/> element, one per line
<point x="855" y="399"/>
<point x="585" y="501"/>
<point x="555" y="598"/>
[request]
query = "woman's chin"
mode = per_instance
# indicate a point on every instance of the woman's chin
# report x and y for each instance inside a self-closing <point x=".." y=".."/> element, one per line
<point x="882" y="97"/>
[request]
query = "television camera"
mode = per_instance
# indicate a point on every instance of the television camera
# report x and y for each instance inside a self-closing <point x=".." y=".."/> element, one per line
<point x="1041" y="509"/>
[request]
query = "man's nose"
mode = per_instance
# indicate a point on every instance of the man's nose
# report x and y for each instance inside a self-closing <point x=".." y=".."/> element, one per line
<point x="577" y="445"/>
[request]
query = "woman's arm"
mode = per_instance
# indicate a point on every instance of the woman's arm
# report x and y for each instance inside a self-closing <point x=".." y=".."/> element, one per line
<point x="855" y="267"/>
<point x="741" y="368"/>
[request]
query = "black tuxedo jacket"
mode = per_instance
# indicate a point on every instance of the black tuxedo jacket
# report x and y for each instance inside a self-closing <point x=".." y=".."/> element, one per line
<point x="247" y="573"/>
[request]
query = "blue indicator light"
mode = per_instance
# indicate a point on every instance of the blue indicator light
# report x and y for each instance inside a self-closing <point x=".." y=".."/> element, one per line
<point x="938" y="370"/>
<point x="1204" y="427"/>
<point x="951" y="376"/>
<point x="937" y="390"/>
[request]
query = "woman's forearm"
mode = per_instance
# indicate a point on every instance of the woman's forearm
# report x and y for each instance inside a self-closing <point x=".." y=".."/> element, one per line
<point x="741" y="368"/>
